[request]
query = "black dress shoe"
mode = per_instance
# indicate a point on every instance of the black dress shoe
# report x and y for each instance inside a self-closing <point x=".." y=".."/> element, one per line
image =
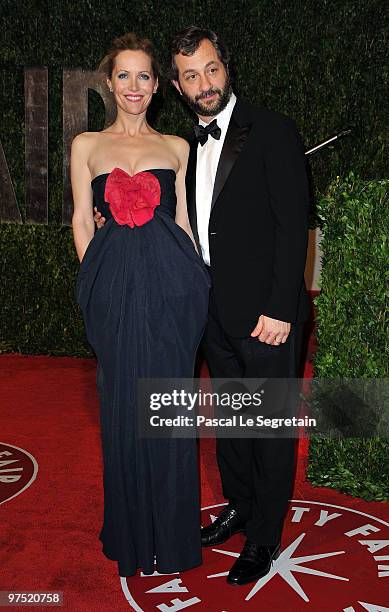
<point x="226" y="525"/>
<point x="254" y="562"/>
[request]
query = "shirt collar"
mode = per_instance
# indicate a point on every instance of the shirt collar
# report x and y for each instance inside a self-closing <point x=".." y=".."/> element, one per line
<point x="223" y="118"/>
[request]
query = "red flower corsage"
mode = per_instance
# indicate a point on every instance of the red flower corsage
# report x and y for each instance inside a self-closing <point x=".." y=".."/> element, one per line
<point x="132" y="199"/>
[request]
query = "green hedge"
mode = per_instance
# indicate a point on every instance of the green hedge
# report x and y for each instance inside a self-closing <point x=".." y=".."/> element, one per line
<point x="39" y="313"/>
<point x="352" y="325"/>
<point x="320" y="62"/>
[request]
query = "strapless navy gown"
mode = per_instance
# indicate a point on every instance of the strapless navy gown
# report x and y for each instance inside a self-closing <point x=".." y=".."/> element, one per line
<point x="143" y="292"/>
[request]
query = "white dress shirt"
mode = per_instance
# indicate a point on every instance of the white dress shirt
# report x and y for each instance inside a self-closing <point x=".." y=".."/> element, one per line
<point x="208" y="157"/>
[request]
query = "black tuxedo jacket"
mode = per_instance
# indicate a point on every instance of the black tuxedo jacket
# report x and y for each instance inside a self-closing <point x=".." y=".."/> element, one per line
<point x="258" y="227"/>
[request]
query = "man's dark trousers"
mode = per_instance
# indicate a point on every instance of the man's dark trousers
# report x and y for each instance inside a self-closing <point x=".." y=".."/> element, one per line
<point x="257" y="473"/>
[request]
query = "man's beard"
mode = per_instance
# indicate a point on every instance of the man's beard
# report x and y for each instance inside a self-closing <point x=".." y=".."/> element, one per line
<point x="217" y="107"/>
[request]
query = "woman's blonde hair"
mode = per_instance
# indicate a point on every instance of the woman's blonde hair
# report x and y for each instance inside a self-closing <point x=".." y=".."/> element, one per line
<point x="129" y="42"/>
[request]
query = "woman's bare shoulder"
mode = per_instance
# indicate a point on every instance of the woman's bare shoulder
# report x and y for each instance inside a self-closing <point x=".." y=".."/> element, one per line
<point x="180" y="145"/>
<point x="85" y="138"/>
<point x="83" y="144"/>
<point x="84" y="141"/>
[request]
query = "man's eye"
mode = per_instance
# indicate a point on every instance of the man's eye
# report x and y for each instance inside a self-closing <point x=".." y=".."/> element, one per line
<point x="213" y="70"/>
<point x="191" y="77"/>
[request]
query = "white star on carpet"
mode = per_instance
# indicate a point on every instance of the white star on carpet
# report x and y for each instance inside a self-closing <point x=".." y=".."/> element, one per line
<point x="284" y="566"/>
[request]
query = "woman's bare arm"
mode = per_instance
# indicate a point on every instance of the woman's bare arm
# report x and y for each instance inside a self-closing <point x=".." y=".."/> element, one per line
<point x="182" y="151"/>
<point x="82" y="220"/>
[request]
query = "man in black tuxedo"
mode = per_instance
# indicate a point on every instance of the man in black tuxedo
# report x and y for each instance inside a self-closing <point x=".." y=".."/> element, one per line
<point x="247" y="195"/>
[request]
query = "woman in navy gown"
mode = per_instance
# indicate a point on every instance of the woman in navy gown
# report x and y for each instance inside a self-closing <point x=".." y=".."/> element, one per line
<point x="143" y="292"/>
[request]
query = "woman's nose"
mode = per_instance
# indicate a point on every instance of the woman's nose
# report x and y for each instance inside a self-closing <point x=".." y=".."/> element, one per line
<point x="133" y="83"/>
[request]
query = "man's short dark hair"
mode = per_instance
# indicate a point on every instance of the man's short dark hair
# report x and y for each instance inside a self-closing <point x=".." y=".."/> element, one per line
<point x="188" y="41"/>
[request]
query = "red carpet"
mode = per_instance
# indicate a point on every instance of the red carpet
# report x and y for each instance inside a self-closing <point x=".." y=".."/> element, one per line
<point x="49" y="532"/>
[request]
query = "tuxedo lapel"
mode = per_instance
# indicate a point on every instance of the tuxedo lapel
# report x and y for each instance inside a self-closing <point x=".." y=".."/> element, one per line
<point x="191" y="190"/>
<point x="237" y="132"/>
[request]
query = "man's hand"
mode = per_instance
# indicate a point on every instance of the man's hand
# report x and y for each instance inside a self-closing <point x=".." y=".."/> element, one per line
<point x="271" y="331"/>
<point x="99" y="220"/>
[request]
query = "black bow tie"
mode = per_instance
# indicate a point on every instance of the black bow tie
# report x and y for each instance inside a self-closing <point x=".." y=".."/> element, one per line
<point x="202" y="132"/>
